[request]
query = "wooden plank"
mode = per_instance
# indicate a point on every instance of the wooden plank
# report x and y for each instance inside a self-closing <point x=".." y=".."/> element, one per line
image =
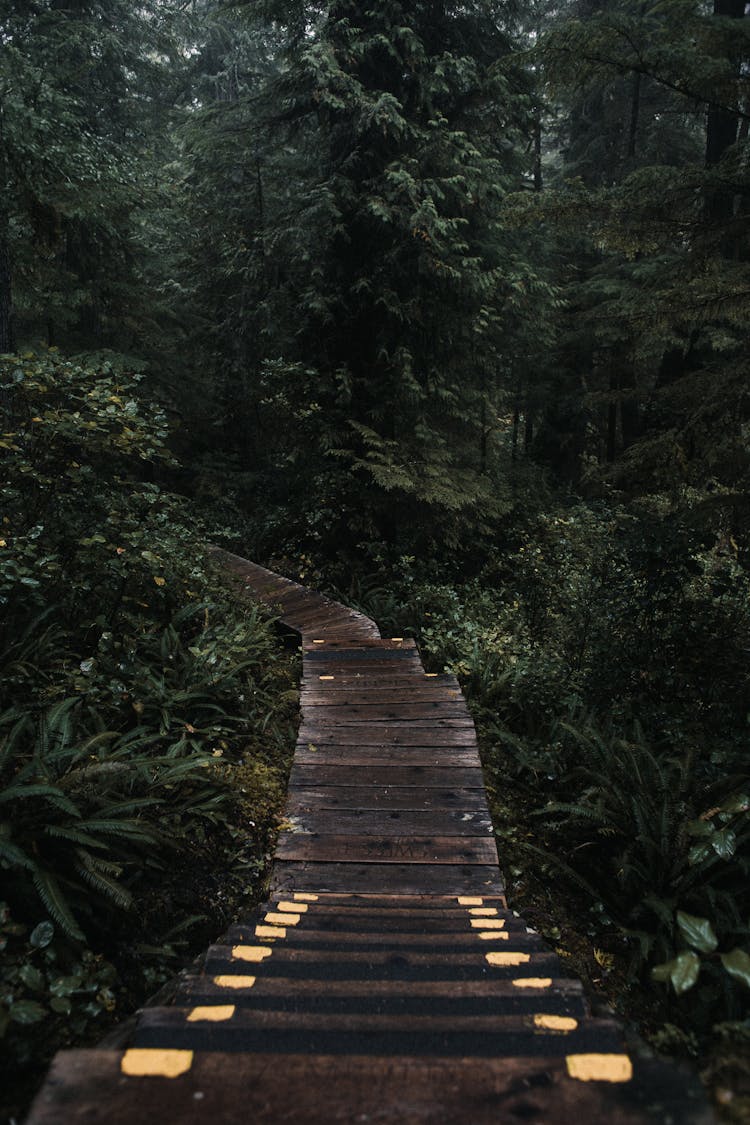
<point x="386" y="849"/>
<point x="332" y="1090"/>
<point x="445" y="822"/>
<point x="386" y="878"/>
<point x="562" y="995"/>
<point x="272" y="1032"/>
<point x="387" y="797"/>
<point x="402" y="964"/>
<point x="335" y="940"/>
<point x="367" y="682"/>
<point x="374" y="697"/>
<point x="383" y="712"/>
<point x="310" y="753"/>
<point x="426" y="777"/>
<point x="370" y="734"/>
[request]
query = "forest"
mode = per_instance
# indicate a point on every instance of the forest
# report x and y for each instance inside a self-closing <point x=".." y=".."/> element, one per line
<point x="440" y="307"/>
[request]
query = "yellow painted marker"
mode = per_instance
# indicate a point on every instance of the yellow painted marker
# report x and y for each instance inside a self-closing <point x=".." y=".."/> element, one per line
<point x="532" y="982"/>
<point x="318" y="642"/>
<point x="282" y="919"/>
<point x="488" y="923"/>
<point x="251" y="952"/>
<point x="216" y="1013"/>
<point x="600" y="1068"/>
<point x="270" y="932"/>
<point x="149" y="1062"/>
<point x="234" y="981"/>
<point x="464" y="901"/>
<point x="305" y="898"/>
<point x="501" y="959"/>
<point x="483" y="911"/>
<point x="292" y="908"/>
<point x="555" y="1023"/>
<point x="493" y="935"/>
<point x="430" y="675"/>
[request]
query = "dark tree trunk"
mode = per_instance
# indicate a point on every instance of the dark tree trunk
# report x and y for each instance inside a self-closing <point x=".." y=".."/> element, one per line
<point x="630" y="411"/>
<point x="614" y="387"/>
<point x="7" y="335"/>
<point x="538" y="174"/>
<point x="635" y="113"/>
<point x="721" y="131"/>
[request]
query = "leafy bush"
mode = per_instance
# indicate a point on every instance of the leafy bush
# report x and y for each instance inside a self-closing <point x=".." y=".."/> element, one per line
<point x="603" y="652"/>
<point x="136" y="697"/>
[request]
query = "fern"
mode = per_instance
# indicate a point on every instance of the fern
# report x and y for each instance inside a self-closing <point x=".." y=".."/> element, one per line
<point x="100" y="876"/>
<point x="51" y="894"/>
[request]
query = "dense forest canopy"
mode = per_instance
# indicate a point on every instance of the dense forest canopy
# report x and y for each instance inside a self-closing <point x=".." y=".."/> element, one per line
<point x="443" y="306"/>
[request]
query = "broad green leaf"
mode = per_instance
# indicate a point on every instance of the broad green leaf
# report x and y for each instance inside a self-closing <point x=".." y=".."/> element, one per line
<point x="682" y="971"/>
<point x="737" y="964"/>
<point x="42" y="935"/>
<point x="697" y="932"/>
<point x="724" y="843"/>
<point x="27" y="1011"/>
<point x="32" y="978"/>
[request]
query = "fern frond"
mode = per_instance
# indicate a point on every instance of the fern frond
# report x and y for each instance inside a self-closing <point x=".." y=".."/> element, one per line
<point x="51" y="894"/>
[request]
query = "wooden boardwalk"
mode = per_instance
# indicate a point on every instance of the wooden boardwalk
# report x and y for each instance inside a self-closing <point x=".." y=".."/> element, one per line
<point x="385" y="980"/>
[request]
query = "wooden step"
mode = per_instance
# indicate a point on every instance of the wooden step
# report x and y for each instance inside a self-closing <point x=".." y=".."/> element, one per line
<point x="98" y="1087"/>
<point x="264" y="959"/>
<point x="561" y="996"/>
<point x="213" y="1029"/>
<point x="386" y="878"/>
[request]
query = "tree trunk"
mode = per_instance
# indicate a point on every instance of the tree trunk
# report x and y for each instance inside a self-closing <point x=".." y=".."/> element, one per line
<point x="7" y="334"/>
<point x="635" y="113"/>
<point x="721" y="131"/>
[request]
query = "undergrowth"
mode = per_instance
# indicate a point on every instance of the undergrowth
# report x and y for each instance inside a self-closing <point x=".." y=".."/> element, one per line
<point x="146" y="719"/>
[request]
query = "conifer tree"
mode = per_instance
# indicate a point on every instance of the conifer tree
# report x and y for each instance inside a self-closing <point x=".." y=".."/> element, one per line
<point x="78" y="81"/>
<point x="390" y="250"/>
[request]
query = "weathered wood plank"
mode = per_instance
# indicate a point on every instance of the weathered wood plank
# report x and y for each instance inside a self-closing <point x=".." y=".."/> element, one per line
<point x="332" y="1090"/>
<point x="387" y="734"/>
<point x="426" y="777"/>
<point x="387" y="797"/>
<point x="442" y="822"/>
<point x="386" y="878"/>
<point x="386" y="849"/>
<point x="311" y="753"/>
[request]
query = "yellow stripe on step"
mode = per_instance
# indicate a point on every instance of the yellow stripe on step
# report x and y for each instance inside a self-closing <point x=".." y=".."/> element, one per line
<point x="488" y="923"/>
<point x="251" y="952"/>
<point x="464" y="901"/>
<point x="493" y="935"/>
<point x="272" y="932"/>
<point x="532" y="982"/>
<point x="231" y="980"/>
<point x="292" y="907"/>
<point x="215" y="1013"/>
<point x="600" y="1068"/>
<point x="501" y="959"/>
<point x="148" y="1062"/>
<point x="282" y="919"/>
<point x="483" y="912"/>
<point x="305" y="898"/>
<point x="555" y="1023"/>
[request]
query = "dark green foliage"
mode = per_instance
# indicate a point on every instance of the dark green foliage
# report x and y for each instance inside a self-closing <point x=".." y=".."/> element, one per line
<point x="142" y="713"/>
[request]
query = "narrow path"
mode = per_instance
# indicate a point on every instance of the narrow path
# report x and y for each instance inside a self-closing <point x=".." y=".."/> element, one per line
<point x="385" y="980"/>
